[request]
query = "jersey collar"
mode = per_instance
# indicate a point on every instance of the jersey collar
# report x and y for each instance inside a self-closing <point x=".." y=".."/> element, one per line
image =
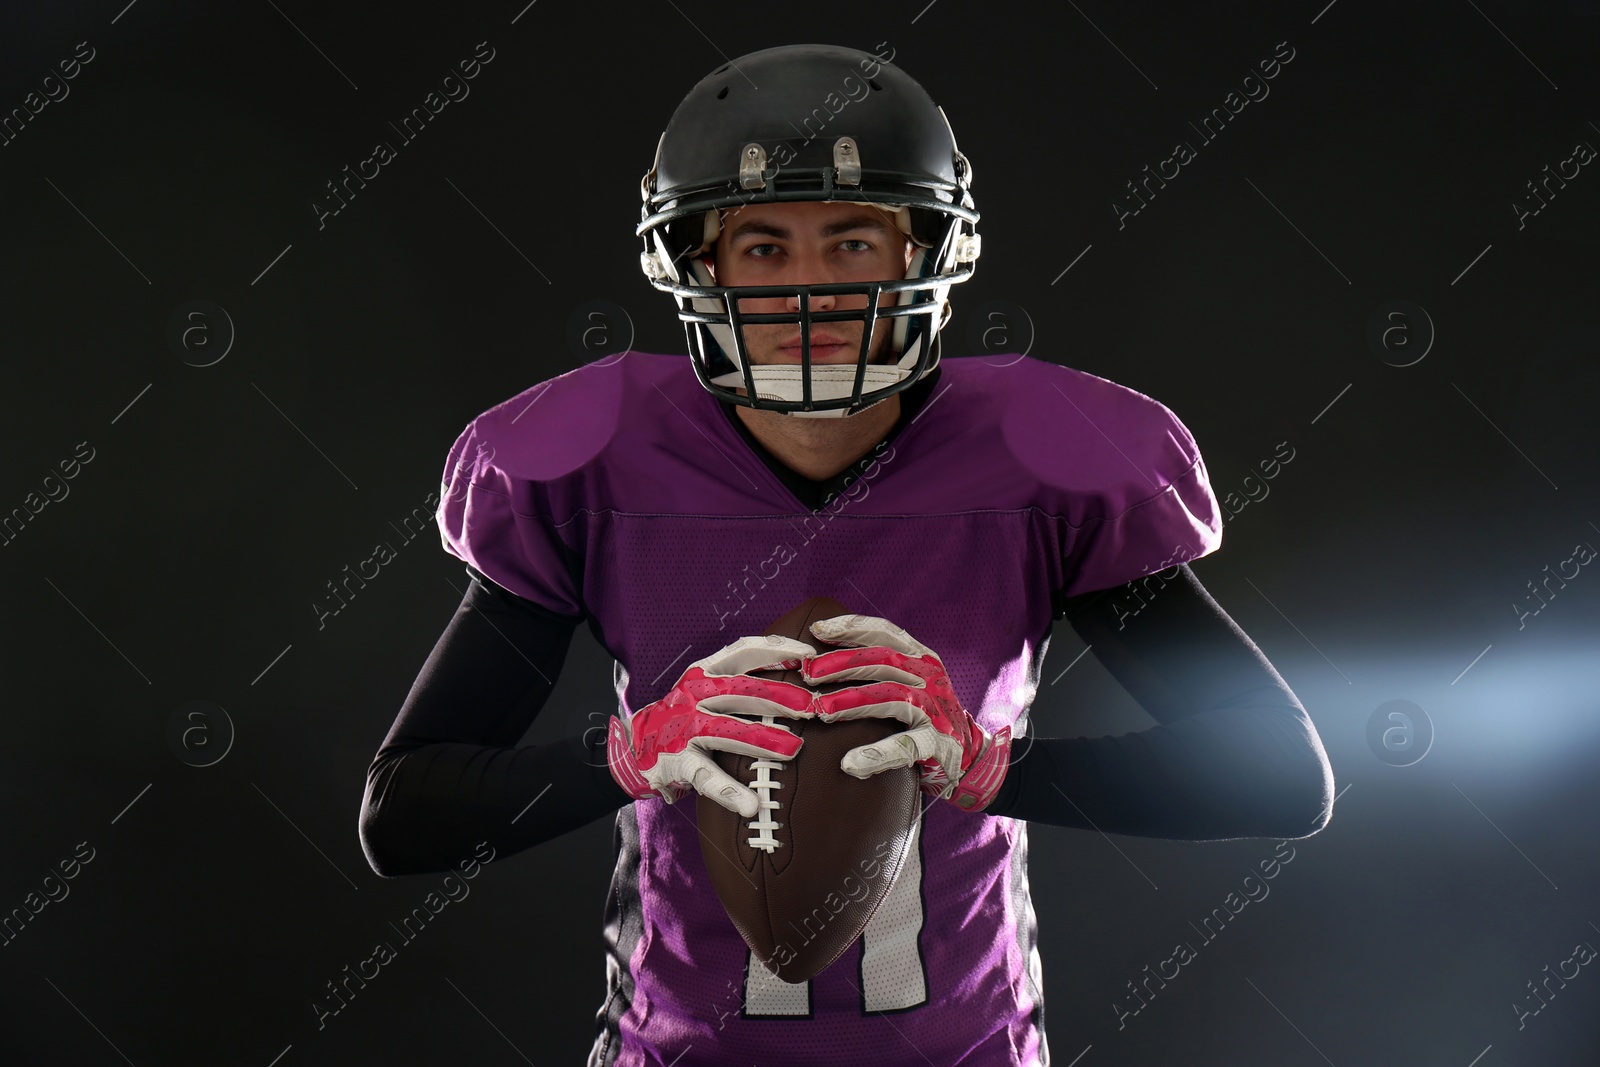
<point x="816" y="495"/>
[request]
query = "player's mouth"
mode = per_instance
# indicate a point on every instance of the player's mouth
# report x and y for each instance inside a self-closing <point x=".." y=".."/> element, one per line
<point x="824" y="349"/>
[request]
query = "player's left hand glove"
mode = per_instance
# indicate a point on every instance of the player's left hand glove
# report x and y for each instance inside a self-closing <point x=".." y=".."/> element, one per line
<point x="956" y="759"/>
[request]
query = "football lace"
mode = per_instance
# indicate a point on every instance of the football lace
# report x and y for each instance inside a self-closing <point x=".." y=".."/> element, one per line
<point x="763" y="786"/>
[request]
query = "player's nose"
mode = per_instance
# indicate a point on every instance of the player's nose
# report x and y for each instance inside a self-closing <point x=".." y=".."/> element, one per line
<point x="818" y="302"/>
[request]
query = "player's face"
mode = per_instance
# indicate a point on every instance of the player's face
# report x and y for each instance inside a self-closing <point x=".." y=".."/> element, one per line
<point x="810" y="243"/>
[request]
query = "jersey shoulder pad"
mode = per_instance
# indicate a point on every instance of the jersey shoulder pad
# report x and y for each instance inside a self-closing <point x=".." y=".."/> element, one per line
<point x="554" y="428"/>
<point x="1119" y="467"/>
<point x="506" y="491"/>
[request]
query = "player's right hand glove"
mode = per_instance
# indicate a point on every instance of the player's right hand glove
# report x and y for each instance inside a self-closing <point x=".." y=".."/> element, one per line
<point x="664" y="750"/>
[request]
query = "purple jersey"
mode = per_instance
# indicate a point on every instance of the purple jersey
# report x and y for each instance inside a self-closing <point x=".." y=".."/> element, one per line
<point x="622" y="490"/>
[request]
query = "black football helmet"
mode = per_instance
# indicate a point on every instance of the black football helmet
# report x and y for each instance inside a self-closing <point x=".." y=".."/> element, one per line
<point x="867" y="133"/>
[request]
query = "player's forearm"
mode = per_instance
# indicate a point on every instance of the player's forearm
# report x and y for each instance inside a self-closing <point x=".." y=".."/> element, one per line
<point x="1256" y="770"/>
<point x="448" y="776"/>
<point x="428" y="806"/>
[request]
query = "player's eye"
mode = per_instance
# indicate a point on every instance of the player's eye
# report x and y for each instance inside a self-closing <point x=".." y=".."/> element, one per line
<point x="751" y="251"/>
<point x="866" y="246"/>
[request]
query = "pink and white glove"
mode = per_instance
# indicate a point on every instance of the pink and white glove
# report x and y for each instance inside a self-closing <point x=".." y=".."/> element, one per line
<point x="665" y="749"/>
<point x="957" y="760"/>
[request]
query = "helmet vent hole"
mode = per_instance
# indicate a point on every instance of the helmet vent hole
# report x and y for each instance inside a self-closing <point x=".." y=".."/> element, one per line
<point x="722" y="68"/>
<point x="874" y="84"/>
<point x="723" y="93"/>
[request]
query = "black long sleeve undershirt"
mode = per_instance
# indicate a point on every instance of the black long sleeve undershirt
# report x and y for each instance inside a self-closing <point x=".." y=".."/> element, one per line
<point x="1234" y="754"/>
<point x="448" y="777"/>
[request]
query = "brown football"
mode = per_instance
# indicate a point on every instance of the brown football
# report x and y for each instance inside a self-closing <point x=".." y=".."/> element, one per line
<point x="803" y="878"/>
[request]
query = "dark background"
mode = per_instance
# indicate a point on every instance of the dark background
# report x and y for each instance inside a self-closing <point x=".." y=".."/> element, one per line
<point x="220" y="500"/>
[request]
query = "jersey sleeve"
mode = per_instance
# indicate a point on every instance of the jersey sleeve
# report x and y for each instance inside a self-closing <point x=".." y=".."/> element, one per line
<point x="499" y="521"/>
<point x="1144" y="503"/>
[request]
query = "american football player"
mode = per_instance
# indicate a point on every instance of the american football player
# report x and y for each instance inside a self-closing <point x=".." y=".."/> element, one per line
<point x="808" y="211"/>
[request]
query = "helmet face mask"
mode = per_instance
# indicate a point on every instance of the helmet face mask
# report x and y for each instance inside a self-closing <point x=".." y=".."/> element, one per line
<point x="728" y="147"/>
